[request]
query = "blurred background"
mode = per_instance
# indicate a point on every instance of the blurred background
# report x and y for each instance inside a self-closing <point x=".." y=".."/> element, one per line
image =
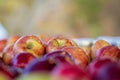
<point x="81" y="18"/>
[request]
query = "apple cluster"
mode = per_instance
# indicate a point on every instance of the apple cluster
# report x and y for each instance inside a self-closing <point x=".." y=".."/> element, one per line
<point x="32" y="57"/>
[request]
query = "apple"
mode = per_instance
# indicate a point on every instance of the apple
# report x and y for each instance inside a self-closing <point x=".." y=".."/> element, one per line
<point x="110" y="52"/>
<point x="8" y="54"/>
<point x="96" y="65"/>
<point x="1" y="61"/>
<point x="29" y="43"/>
<point x="3" y="43"/>
<point x="109" y="71"/>
<point x="8" y="50"/>
<point x="97" y="45"/>
<point x="39" y="65"/>
<point x="5" y="71"/>
<point x="48" y="62"/>
<point x="58" y="43"/>
<point x="21" y="60"/>
<point x="59" y="57"/>
<point x="70" y="72"/>
<point x="80" y="56"/>
<point x="85" y="43"/>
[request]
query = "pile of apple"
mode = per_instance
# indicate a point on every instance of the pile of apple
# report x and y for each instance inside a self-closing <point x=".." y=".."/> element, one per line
<point x="34" y="57"/>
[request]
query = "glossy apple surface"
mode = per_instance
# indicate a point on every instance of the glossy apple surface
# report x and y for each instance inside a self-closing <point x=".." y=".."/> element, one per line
<point x="8" y="50"/>
<point x="60" y="57"/>
<point x="3" y="43"/>
<point x="96" y="65"/>
<point x="21" y="60"/>
<point x="59" y="43"/>
<point x="31" y="44"/>
<point x="97" y="45"/>
<point x="8" y="54"/>
<point x="110" y="52"/>
<point x="79" y="55"/>
<point x="70" y="72"/>
<point x="39" y="65"/>
<point x="49" y="61"/>
<point x="110" y="71"/>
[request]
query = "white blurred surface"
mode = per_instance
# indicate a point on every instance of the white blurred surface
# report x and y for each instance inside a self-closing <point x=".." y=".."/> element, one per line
<point x="3" y="32"/>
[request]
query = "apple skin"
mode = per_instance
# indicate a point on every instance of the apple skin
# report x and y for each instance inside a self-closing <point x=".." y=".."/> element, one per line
<point x="8" y="54"/>
<point x="96" y="65"/>
<point x="6" y="71"/>
<point x="3" y="43"/>
<point x="69" y="72"/>
<point x="79" y="55"/>
<point x="59" y="43"/>
<point x="1" y="61"/>
<point x="110" y="71"/>
<point x="110" y="52"/>
<point x="21" y="60"/>
<point x="29" y="43"/>
<point x="39" y="65"/>
<point x="48" y="62"/>
<point x="60" y="57"/>
<point x="97" y="45"/>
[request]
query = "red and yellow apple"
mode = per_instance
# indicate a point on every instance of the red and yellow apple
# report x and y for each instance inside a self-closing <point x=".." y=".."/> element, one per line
<point x="8" y="54"/>
<point x="97" y="45"/>
<point x="22" y="60"/>
<point x="110" y="52"/>
<point x="29" y="43"/>
<point x="59" y="43"/>
<point x="79" y="55"/>
<point x="8" y="50"/>
<point x="3" y="43"/>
